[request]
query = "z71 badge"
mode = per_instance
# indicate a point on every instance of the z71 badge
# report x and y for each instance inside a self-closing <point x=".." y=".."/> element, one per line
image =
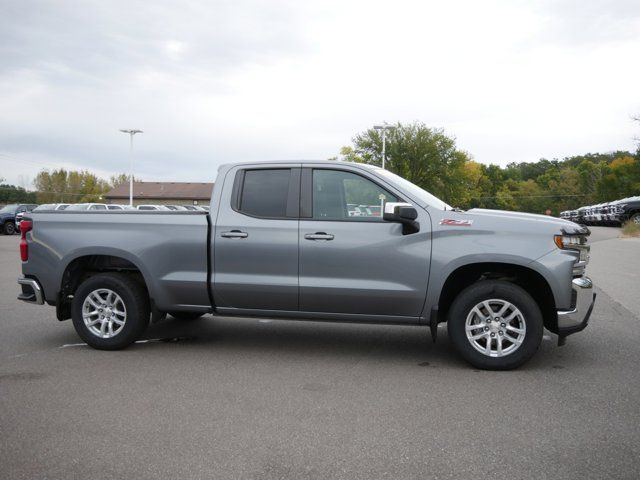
<point x="456" y="223"/>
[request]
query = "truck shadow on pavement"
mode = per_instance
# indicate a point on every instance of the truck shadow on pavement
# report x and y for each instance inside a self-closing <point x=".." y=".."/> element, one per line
<point x="338" y="341"/>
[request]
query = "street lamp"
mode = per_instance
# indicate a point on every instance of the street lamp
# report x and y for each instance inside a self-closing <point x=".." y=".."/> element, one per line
<point x="384" y="127"/>
<point x="131" y="134"/>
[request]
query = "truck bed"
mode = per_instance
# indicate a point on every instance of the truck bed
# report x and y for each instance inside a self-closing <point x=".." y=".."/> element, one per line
<point x="169" y="248"/>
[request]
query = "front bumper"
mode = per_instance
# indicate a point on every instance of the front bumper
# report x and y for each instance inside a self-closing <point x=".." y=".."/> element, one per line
<point x="576" y="319"/>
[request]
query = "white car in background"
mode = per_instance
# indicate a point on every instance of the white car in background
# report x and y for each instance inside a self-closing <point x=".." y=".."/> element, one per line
<point x="153" y="207"/>
<point x="116" y="206"/>
<point x="51" y="206"/>
<point x="86" y="206"/>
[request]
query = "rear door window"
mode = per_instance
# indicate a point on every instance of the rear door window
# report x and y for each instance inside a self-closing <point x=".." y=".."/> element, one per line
<point x="265" y="192"/>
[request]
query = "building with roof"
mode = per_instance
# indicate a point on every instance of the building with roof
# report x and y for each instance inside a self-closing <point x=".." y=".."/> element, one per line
<point x="164" y="193"/>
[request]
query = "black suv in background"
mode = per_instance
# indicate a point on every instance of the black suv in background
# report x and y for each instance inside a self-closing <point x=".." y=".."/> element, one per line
<point x="628" y="209"/>
<point x="8" y="216"/>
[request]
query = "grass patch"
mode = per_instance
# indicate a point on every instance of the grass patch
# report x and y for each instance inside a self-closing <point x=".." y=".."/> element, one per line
<point x="631" y="229"/>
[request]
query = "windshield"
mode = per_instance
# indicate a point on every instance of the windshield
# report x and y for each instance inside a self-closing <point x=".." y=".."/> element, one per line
<point x="424" y="198"/>
<point x="78" y="206"/>
<point x="9" y="209"/>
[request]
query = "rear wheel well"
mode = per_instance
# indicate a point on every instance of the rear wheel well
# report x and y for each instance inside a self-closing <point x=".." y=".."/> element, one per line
<point x="528" y="279"/>
<point x="85" y="267"/>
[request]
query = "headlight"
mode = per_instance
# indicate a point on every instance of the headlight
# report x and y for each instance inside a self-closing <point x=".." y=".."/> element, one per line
<point x="566" y="241"/>
<point x="573" y="242"/>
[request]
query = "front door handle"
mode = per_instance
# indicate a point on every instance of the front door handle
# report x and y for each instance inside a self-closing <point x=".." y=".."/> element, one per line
<point x="318" y="236"/>
<point x="234" y="234"/>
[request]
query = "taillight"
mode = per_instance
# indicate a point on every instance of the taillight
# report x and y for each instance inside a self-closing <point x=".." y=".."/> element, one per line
<point x="25" y="226"/>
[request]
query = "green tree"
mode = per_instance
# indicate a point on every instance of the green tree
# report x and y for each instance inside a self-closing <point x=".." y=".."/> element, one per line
<point x="13" y="194"/>
<point x="422" y="155"/>
<point x="430" y="159"/>
<point x="621" y="178"/>
<point x="122" y="178"/>
<point x="64" y="186"/>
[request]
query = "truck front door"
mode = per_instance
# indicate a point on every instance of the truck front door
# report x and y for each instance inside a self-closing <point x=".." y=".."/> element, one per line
<point x="353" y="262"/>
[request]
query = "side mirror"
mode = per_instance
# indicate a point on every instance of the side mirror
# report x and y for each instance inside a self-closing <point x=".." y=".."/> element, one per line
<point x="403" y="213"/>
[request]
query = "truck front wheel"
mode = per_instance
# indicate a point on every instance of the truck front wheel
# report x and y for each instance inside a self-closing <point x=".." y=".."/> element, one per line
<point x="495" y="325"/>
<point x="110" y="311"/>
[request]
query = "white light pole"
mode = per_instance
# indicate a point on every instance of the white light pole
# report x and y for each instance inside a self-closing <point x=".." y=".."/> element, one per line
<point x="384" y="127"/>
<point x="131" y="134"/>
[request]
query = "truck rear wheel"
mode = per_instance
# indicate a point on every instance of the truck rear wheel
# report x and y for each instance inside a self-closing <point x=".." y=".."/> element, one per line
<point x="110" y="311"/>
<point x="495" y="325"/>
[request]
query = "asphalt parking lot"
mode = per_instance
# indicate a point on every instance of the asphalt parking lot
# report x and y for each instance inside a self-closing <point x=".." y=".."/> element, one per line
<point x="243" y="398"/>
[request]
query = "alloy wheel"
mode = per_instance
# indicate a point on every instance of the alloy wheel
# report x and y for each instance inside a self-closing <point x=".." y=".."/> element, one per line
<point x="495" y="327"/>
<point x="104" y="313"/>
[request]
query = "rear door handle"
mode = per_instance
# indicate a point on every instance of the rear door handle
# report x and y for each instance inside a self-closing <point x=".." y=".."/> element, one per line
<point x="234" y="234"/>
<point x="318" y="236"/>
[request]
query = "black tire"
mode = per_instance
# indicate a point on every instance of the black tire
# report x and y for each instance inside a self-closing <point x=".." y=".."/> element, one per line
<point x="136" y="303"/>
<point x="186" y="315"/>
<point x="500" y="290"/>
<point x="635" y="218"/>
<point x="9" y="228"/>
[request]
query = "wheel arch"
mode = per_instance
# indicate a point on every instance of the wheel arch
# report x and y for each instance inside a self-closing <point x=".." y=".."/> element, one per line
<point x="86" y="263"/>
<point x="532" y="281"/>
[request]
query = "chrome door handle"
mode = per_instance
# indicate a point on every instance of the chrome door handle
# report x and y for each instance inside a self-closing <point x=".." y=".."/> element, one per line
<point x="234" y="234"/>
<point x="318" y="236"/>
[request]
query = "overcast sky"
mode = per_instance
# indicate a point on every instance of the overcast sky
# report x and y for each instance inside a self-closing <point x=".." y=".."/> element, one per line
<point x="212" y="82"/>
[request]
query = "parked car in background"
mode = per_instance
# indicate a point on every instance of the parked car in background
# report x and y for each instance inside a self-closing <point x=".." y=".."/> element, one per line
<point x="581" y="215"/>
<point x="628" y="209"/>
<point x="194" y="208"/>
<point x="8" y="216"/>
<point x="153" y="207"/>
<point x="115" y="206"/>
<point x="87" y="206"/>
<point x="613" y="213"/>
<point x="608" y="213"/>
<point x="176" y="208"/>
<point x="40" y="208"/>
<point x="591" y="219"/>
<point x="51" y="206"/>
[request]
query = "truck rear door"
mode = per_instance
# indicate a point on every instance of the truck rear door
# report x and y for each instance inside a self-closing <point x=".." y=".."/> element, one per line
<point x="255" y="261"/>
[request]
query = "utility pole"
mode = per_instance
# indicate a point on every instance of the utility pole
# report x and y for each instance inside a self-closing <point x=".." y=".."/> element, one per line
<point x="384" y="127"/>
<point x="131" y="134"/>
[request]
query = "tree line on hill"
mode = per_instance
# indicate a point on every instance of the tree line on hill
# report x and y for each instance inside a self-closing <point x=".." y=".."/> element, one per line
<point x="430" y="159"/>
<point x="62" y="186"/>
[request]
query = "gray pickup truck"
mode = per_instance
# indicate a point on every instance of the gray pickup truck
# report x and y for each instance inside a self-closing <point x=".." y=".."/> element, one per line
<point x="320" y="241"/>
